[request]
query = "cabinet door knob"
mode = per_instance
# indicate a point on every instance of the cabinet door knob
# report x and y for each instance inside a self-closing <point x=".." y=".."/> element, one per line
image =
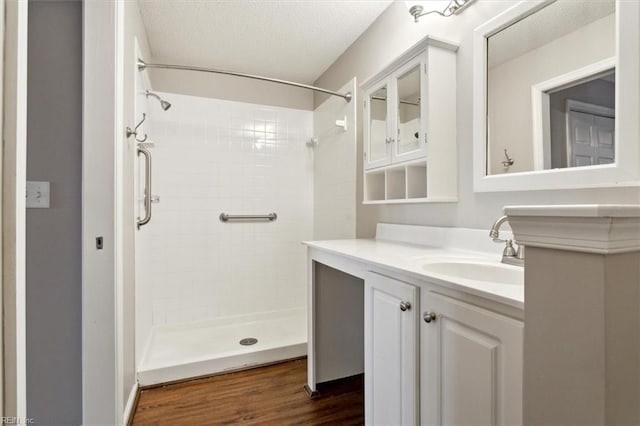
<point x="405" y="306"/>
<point x="429" y="317"/>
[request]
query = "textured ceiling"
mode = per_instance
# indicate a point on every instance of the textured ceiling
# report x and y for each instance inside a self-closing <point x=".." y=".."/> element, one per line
<point x="547" y="24"/>
<point x="290" y="39"/>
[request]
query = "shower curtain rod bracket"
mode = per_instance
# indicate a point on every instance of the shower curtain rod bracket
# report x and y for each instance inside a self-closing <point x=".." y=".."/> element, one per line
<point x="142" y="65"/>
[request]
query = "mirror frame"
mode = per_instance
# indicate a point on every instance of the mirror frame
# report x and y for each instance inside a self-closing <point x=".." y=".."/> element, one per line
<point x="626" y="169"/>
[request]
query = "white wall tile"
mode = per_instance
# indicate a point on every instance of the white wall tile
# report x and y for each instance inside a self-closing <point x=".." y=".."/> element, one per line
<point x="214" y="156"/>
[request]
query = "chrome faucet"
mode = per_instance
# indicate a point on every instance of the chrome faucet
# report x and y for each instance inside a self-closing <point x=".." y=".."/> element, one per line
<point x="510" y="255"/>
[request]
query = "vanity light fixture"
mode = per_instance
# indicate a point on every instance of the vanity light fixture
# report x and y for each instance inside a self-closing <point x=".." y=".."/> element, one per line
<point x="446" y="8"/>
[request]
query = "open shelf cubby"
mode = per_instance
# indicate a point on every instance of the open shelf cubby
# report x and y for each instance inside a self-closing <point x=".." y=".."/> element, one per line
<point x="402" y="183"/>
<point x="396" y="182"/>
<point x="375" y="185"/>
<point x="417" y="181"/>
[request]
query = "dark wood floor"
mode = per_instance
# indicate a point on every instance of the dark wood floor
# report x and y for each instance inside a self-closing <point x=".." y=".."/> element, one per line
<point x="272" y="395"/>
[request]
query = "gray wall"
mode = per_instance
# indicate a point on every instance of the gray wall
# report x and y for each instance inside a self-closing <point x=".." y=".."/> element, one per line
<point x="389" y="36"/>
<point x="54" y="153"/>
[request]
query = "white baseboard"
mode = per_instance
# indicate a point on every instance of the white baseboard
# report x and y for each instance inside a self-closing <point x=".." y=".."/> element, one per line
<point x="128" y="409"/>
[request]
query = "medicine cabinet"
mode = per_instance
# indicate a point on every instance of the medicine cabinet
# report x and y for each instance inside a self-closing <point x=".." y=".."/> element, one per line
<point x="410" y="127"/>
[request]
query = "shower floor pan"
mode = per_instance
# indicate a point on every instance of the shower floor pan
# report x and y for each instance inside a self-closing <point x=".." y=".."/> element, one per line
<point x="182" y="351"/>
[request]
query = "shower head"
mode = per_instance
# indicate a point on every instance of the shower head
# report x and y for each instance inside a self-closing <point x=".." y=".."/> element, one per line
<point x="163" y="104"/>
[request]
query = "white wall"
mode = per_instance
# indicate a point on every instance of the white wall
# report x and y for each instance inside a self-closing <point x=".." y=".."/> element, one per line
<point x="389" y="36"/>
<point x="334" y="181"/>
<point x="102" y="351"/>
<point x="134" y="32"/>
<point x="509" y="84"/>
<point x="214" y="156"/>
<point x="14" y="153"/>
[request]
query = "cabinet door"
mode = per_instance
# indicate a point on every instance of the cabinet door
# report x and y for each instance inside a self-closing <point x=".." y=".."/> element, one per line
<point x="391" y="351"/>
<point x="409" y="103"/>
<point x="377" y="127"/>
<point x="471" y="364"/>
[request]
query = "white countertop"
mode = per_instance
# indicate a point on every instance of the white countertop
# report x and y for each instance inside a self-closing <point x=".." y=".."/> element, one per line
<point x="409" y="259"/>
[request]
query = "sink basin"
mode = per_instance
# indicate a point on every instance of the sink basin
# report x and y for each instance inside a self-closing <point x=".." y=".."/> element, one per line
<point x="497" y="273"/>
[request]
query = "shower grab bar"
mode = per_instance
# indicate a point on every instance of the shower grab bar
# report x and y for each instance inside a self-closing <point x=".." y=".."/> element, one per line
<point x="147" y="187"/>
<point x="225" y="217"/>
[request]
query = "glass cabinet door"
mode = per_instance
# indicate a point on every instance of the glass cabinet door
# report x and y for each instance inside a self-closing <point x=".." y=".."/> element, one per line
<point x="378" y="153"/>
<point x="409" y="115"/>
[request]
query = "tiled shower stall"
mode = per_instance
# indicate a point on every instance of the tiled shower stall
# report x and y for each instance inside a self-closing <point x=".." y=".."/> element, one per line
<point x="199" y="278"/>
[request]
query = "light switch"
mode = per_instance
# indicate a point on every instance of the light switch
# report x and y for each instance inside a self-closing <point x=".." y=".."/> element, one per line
<point x="37" y="195"/>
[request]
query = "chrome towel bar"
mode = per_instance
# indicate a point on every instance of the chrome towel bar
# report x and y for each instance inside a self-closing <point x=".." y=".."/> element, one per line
<point x="225" y="217"/>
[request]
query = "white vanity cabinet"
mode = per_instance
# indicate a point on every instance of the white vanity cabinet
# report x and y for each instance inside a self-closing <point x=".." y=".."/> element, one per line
<point x="410" y="127"/>
<point x="462" y="361"/>
<point x="437" y="346"/>
<point x="471" y="364"/>
<point x="391" y="351"/>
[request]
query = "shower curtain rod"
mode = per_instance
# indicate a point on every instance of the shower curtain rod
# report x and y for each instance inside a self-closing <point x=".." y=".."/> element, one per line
<point x="142" y="65"/>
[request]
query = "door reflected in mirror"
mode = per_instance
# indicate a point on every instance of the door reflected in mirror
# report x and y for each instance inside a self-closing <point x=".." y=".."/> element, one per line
<point x="409" y="111"/>
<point x="581" y="124"/>
<point x="551" y="89"/>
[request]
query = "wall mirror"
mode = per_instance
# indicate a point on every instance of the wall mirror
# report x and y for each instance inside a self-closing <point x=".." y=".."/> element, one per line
<point x="378" y="130"/>
<point x="556" y="96"/>
<point x="409" y="111"/>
